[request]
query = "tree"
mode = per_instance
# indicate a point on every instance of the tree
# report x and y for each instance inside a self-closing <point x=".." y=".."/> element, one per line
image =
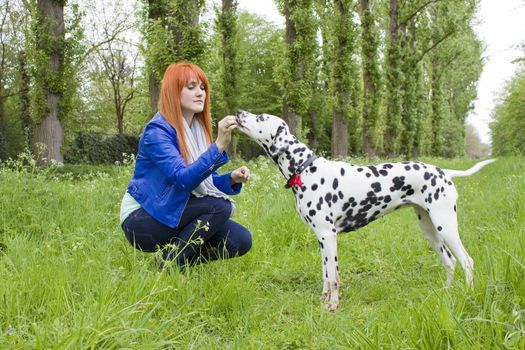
<point x="172" y="34"/>
<point x="260" y="50"/>
<point x="394" y="79"/>
<point x="117" y="59"/>
<point x="53" y="58"/>
<point x="49" y="30"/>
<point x="3" y="52"/>
<point x="299" y="80"/>
<point x="345" y="86"/>
<point x="226" y="25"/>
<point x="508" y="126"/>
<point x="474" y="146"/>
<point x="371" y="79"/>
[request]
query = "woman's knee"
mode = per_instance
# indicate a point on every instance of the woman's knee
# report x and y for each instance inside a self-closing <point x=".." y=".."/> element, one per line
<point x="221" y="208"/>
<point x="242" y="238"/>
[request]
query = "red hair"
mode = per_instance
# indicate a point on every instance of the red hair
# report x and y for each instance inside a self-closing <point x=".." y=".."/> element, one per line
<point x="176" y="77"/>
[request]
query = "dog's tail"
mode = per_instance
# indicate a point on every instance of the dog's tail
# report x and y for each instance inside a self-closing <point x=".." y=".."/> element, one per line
<point x="474" y="169"/>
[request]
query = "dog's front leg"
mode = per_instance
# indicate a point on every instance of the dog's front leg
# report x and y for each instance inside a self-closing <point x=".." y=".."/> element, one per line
<point x="328" y="245"/>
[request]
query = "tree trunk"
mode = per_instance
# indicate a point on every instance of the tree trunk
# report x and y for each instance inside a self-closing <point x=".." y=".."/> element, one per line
<point x="25" y="115"/>
<point x="394" y="77"/>
<point x="370" y="81"/>
<point x="227" y="27"/>
<point x="3" y="138"/>
<point x="154" y="13"/>
<point x="49" y="130"/>
<point x="289" y="109"/>
<point x="339" y="136"/>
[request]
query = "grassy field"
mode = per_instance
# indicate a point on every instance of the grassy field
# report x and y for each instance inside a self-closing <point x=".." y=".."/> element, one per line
<point x="70" y="280"/>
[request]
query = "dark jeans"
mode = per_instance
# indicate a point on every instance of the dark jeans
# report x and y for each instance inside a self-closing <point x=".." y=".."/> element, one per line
<point x="185" y="244"/>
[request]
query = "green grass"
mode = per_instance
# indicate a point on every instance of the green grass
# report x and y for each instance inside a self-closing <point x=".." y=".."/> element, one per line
<point x="70" y="280"/>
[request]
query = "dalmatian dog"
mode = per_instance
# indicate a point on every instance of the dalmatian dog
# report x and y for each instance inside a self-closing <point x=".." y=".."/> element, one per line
<point x="333" y="197"/>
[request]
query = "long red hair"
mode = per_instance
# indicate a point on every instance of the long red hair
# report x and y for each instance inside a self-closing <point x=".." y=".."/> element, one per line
<point x="177" y="76"/>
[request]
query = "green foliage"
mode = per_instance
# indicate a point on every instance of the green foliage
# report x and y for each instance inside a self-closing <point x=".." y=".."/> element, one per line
<point x="60" y="78"/>
<point x="299" y="78"/>
<point x="260" y="49"/>
<point x="372" y="84"/>
<point x="173" y="36"/>
<point x="346" y="86"/>
<point x="508" y="128"/>
<point x="226" y="24"/>
<point x="97" y="148"/>
<point x="71" y="280"/>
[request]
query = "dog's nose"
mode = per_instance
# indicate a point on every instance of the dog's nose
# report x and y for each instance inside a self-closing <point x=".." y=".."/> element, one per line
<point x="239" y="113"/>
<point x="239" y="116"/>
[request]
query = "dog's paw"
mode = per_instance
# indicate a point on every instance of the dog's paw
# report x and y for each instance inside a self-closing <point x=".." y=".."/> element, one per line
<point x="332" y="305"/>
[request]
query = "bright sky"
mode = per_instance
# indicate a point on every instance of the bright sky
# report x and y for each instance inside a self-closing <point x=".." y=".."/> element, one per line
<point x="501" y="27"/>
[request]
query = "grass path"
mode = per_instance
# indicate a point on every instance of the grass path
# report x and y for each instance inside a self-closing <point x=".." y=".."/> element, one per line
<point x="70" y="280"/>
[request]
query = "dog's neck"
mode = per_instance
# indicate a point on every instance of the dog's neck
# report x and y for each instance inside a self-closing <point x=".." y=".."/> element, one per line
<point x="291" y="158"/>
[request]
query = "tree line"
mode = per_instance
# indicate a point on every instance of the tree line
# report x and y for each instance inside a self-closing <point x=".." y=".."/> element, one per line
<point x="351" y="77"/>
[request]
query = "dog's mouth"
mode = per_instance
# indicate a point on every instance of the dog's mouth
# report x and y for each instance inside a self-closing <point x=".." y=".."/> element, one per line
<point x="240" y="121"/>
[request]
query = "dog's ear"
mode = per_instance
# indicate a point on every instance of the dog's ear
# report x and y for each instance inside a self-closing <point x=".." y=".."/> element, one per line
<point x="279" y="144"/>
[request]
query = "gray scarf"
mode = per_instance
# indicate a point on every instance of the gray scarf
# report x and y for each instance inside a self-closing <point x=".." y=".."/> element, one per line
<point x="197" y="145"/>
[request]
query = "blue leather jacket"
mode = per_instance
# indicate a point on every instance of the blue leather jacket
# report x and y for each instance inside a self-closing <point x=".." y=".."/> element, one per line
<point x="162" y="182"/>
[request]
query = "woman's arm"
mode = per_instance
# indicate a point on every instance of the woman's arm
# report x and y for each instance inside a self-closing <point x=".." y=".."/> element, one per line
<point x="161" y="148"/>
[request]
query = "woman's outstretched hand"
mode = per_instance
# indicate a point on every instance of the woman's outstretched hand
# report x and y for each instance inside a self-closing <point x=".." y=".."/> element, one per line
<point x="224" y="134"/>
<point x="240" y="175"/>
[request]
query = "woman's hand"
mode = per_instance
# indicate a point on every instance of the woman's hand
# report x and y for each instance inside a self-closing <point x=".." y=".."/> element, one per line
<point x="240" y="175"/>
<point x="225" y="128"/>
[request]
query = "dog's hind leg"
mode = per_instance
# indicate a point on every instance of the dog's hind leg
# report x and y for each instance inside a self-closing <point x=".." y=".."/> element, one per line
<point x="436" y="241"/>
<point x="446" y="225"/>
<point x="328" y="245"/>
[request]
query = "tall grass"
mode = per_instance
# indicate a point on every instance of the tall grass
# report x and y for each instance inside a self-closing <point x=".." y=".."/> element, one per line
<point x="70" y="280"/>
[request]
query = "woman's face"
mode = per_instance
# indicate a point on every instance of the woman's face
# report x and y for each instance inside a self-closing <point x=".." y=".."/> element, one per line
<point x="192" y="98"/>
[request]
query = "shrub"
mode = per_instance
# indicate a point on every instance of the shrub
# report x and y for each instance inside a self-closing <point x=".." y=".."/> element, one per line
<point x="98" y="148"/>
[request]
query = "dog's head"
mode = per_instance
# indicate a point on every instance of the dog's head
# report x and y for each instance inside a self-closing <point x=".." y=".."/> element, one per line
<point x="269" y="131"/>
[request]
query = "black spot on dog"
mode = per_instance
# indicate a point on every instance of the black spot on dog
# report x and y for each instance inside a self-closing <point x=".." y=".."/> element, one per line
<point x="407" y="167"/>
<point x="308" y="204"/>
<point x="376" y="186"/>
<point x="440" y="228"/>
<point x="313" y="169"/>
<point x="424" y="188"/>
<point x="322" y="181"/>
<point x="359" y="169"/>
<point x="398" y="181"/>
<point x="427" y="175"/>
<point x="383" y="172"/>
<point x="314" y="187"/>
<point x="387" y="166"/>
<point x="455" y="209"/>
<point x="335" y="184"/>
<point x="416" y="167"/>
<point x="368" y="174"/>
<point x="342" y="172"/>
<point x="374" y="170"/>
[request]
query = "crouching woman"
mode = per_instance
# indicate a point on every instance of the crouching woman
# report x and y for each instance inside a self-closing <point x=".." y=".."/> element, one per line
<point x="176" y="201"/>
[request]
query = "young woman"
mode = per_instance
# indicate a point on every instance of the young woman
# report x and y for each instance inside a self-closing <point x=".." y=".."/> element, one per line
<point x="176" y="201"/>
